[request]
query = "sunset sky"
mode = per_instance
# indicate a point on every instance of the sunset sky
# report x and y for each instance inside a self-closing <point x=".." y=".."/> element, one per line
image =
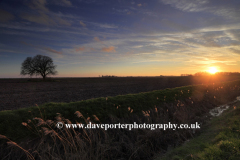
<point x="88" y="38"/>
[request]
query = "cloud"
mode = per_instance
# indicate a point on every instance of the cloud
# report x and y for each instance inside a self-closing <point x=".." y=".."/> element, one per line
<point x="96" y="39"/>
<point x="106" y="26"/>
<point x="220" y="28"/>
<point x="63" y="2"/>
<point x="41" y="47"/>
<point x="28" y="44"/>
<point x="187" y="5"/>
<point x="40" y="19"/>
<point x="108" y="49"/>
<point x="175" y="25"/>
<point x="42" y="14"/>
<point x="227" y="12"/>
<point x="234" y="34"/>
<point x="96" y="2"/>
<point x="52" y="50"/>
<point x="139" y="5"/>
<point x="220" y="9"/>
<point x="5" y="16"/>
<point x="62" y="21"/>
<point x="37" y="5"/>
<point x="84" y="49"/>
<point x="235" y="50"/>
<point x="80" y="49"/>
<point x="67" y="2"/>
<point x="45" y="19"/>
<point x="83" y="24"/>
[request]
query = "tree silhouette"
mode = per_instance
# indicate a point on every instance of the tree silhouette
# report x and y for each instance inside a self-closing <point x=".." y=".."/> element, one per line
<point x="38" y="65"/>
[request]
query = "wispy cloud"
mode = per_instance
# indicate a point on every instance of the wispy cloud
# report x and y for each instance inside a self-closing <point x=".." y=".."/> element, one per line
<point x="226" y="11"/>
<point x="63" y="2"/>
<point x="45" y="19"/>
<point x="173" y="32"/>
<point x="235" y="50"/>
<point x="80" y="49"/>
<point x="48" y="49"/>
<point x="96" y="39"/>
<point x="40" y="19"/>
<point x="52" y="50"/>
<point x="174" y="25"/>
<point x="38" y="5"/>
<point x="5" y="16"/>
<point x="187" y="5"/>
<point x="106" y="26"/>
<point x="83" y="24"/>
<point x="88" y="1"/>
<point x="108" y="49"/>
<point x="42" y="15"/>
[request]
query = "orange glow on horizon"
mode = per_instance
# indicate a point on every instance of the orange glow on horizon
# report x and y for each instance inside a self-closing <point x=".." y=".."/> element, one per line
<point x="212" y="70"/>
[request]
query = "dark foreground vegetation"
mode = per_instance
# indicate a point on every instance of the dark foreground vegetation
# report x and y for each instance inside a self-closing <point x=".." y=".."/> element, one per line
<point x="38" y="138"/>
<point x="21" y="93"/>
<point x="219" y="140"/>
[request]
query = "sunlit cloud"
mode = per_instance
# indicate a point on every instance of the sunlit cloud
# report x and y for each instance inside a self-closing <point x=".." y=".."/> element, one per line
<point x="48" y="49"/>
<point x="184" y="34"/>
<point x="108" y="49"/>
<point x="226" y="11"/>
<point x="96" y="39"/>
<point x="83" y="24"/>
<point x="80" y="49"/>
<point x="92" y="49"/>
<point x="235" y="50"/>
<point x="52" y="50"/>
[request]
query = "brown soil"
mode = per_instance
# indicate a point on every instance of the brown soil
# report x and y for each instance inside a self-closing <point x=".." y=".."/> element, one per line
<point x="21" y="93"/>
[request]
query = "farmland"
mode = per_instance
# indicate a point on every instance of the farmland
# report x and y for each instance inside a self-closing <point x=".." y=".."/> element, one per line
<point x="21" y="93"/>
<point x="180" y="105"/>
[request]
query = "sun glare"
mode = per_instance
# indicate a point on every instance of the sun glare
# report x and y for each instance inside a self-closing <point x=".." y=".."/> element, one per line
<point x="212" y="70"/>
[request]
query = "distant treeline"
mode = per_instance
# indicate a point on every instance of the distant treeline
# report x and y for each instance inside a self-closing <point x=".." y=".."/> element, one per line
<point x="109" y="76"/>
<point x="218" y="73"/>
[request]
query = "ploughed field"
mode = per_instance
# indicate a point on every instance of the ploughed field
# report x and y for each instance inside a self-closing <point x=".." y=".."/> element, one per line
<point x="21" y="93"/>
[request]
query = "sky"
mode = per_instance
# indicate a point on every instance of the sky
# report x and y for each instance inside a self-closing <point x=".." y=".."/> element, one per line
<point x="88" y="38"/>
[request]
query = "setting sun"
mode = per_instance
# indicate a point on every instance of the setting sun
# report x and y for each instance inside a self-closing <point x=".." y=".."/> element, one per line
<point x="212" y="70"/>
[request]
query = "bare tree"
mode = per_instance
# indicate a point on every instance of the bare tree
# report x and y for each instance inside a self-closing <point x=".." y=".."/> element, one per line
<point x="38" y="65"/>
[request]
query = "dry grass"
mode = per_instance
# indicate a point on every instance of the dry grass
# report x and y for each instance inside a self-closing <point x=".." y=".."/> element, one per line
<point x="99" y="144"/>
